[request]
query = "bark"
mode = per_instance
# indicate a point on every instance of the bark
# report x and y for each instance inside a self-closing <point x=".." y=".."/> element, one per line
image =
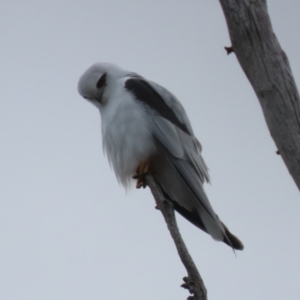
<point x="193" y="282"/>
<point x="267" y="68"/>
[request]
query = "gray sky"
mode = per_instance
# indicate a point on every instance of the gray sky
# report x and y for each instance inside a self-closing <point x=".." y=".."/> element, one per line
<point x="67" y="230"/>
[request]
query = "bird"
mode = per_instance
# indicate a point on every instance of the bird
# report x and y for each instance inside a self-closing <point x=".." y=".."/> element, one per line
<point x="145" y="130"/>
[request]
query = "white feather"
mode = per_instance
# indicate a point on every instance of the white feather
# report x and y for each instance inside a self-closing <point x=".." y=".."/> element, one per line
<point x="126" y="138"/>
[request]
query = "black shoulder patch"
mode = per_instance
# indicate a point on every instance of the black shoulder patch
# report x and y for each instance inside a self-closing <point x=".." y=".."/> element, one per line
<point x="144" y="92"/>
<point x="102" y="81"/>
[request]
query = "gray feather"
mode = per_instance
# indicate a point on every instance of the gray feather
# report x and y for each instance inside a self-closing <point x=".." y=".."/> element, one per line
<point x="182" y="152"/>
<point x="174" y="104"/>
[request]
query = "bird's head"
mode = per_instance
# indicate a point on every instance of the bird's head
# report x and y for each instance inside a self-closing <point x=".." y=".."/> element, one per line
<point x="95" y="80"/>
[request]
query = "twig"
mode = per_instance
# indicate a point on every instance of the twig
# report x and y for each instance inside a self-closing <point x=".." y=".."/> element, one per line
<point x="193" y="282"/>
<point x="229" y="50"/>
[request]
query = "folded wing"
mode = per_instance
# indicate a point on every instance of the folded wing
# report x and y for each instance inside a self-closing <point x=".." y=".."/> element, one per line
<point x="181" y="171"/>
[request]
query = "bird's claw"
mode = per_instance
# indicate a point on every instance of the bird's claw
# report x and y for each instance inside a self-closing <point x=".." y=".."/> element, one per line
<point x="141" y="172"/>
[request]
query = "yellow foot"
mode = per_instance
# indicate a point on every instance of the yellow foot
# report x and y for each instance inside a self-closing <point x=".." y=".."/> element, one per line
<point x="141" y="172"/>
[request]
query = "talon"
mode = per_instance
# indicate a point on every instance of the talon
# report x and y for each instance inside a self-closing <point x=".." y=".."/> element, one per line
<point x="140" y="183"/>
<point x="141" y="171"/>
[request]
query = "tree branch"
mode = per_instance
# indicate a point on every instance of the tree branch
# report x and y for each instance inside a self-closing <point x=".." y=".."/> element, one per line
<point x="193" y="282"/>
<point x="267" y="68"/>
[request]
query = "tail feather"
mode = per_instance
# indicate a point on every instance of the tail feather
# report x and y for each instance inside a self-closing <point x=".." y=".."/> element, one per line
<point x="229" y="239"/>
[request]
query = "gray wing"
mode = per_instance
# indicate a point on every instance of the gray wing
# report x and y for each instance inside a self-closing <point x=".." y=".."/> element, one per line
<point x="183" y="170"/>
<point x="164" y="106"/>
<point x="189" y="172"/>
<point x="191" y="146"/>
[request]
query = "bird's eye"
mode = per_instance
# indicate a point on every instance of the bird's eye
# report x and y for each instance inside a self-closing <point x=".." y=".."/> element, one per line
<point x="102" y="81"/>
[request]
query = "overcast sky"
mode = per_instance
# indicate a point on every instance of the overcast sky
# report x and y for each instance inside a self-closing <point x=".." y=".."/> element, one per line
<point x="68" y="231"/>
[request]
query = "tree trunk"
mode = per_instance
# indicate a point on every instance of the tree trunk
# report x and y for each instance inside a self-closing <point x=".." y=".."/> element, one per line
<point x="267" y="68"/>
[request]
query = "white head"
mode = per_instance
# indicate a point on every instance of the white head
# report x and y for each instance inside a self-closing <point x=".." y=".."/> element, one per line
<point x="93" y="81"/>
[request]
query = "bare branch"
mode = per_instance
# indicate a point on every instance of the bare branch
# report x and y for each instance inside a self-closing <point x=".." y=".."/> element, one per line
<point x="193" y="282"/>
<point x="268" y="70"/>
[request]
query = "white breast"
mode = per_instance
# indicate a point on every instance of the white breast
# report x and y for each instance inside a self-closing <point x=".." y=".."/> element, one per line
<point x="126" y="138"/>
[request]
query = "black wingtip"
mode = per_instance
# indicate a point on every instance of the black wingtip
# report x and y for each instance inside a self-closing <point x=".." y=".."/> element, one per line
<point x="231" y="240"/>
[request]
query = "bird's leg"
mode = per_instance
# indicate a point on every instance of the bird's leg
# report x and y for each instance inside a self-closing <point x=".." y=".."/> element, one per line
<point x="141" y="172"/>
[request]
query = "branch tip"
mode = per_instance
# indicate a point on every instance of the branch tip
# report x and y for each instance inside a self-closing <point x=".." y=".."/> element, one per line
<point x="229" y="50"/>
